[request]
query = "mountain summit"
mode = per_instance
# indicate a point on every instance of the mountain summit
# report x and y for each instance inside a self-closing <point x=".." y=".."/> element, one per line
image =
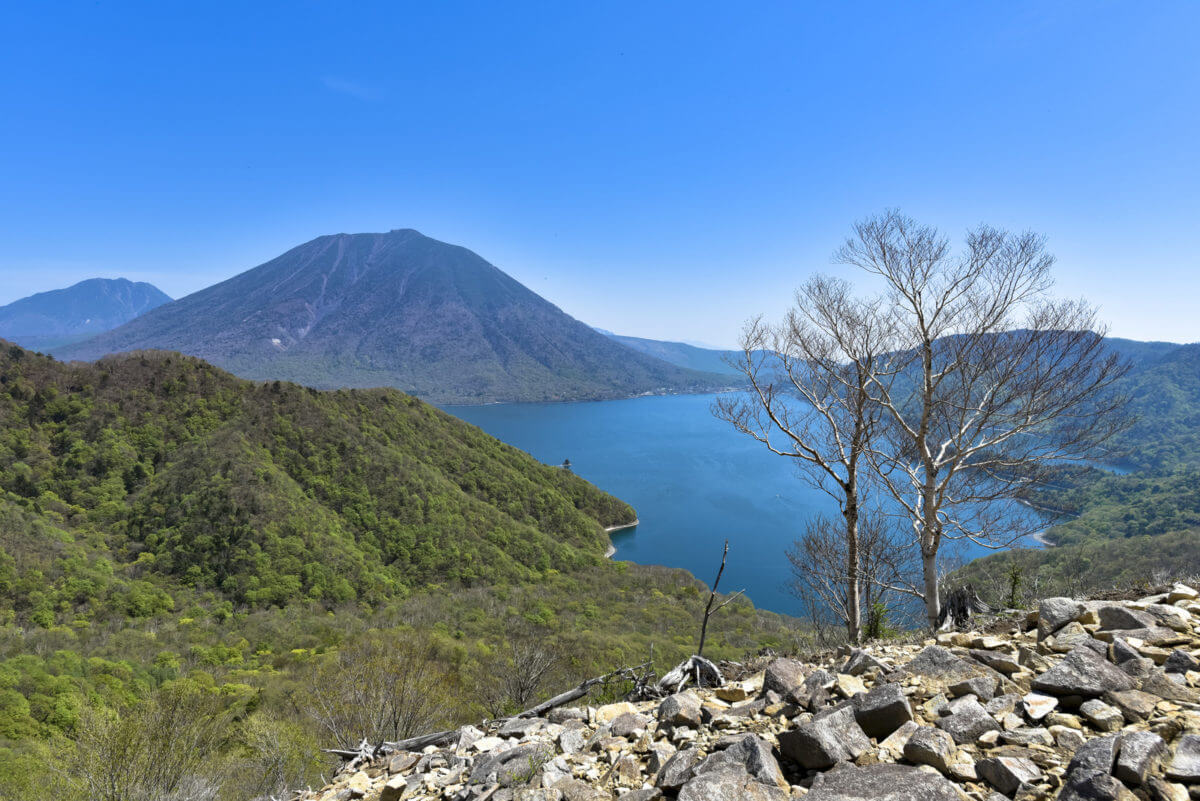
<point x="61" y="316"/>
<point x="396" y="309"/>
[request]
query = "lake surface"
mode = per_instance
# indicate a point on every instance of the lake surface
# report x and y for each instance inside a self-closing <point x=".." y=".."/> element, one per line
<point x="693" y="480"/>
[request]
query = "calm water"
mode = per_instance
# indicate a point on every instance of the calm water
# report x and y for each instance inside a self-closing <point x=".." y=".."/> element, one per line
<point x="693" y="480"/>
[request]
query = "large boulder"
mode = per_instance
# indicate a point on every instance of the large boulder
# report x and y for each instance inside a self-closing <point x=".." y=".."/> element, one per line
<point x="784" y="677"/>
<point x="1159" y="684"/>
<point x="936" y="662"/>
<point x="882" y="710"/>
<point x="930" y="746"/>
<point x="861" y="662"/>
<point x="1088" y="774"/>
<point x="822" y="743"/>
<point x="968" y="722"/>
<point x="750" y="754"/>
<point x="681" y="709"/>
<point x="1083" y="672"/>
<point x="1054" y="613"/>
<point x="677" y="770"/>
<point x="1008" y="774"/>
<point x="516" y="766"/>
<point x="1114" y="617"/>
<point x="881" y="783"/>
<point x="1141" y="754"/>
<point x="1185" y="765"/>
<point x="730" y="785"/>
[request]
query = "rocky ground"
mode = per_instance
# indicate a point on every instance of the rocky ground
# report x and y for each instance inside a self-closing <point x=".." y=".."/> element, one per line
<point x="1080" y="700"/>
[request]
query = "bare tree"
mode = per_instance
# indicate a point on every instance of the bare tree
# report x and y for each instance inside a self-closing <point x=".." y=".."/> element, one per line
<point x="809" y="400"/>
<point x="987" y="384"/>
<point x="818" y="564"/>
<point x="379" y="687"/>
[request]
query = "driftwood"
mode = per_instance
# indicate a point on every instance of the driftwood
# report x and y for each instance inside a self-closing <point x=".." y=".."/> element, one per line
<point x="697" y="669"/>
<point x="640" y="675"/>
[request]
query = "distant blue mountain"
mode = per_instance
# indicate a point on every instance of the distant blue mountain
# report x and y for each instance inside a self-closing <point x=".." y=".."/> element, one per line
<point x="681" y="354"/>
<point x="62" y="316"/>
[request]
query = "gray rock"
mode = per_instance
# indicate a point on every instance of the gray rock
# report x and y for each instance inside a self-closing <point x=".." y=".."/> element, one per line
<point x="645" y="794"/>
<point x="1094" y="757"/>
<point x="784" y="676"/>
<point x="730" y="785"/>
<point x="882" y="710"/>
<point x="938" y="663"/>
<point x="681" y="709"/>
<point x="982" y="687"/>
<point x="564" y="713"/>
<point x="930" y="746"/>
<point x="1121" y="651"/>
<point x="814" y="693"/>
<point x="1101" y="715"/>
<point x="1185" y="765"/>
<point x="678" y="770"/>
<point x="749" y="754"/>
<point x="572" y="740"/>
<point x="1134" y="704"/>
<point x="968" y="723"/>
<point x="576" y="790"/>
<point x="860" y="662"/>
<point x="1100" y="787"/>
<point x="822" y="743"/>
<point x="1083" y="672"/>
<point x="1008" y="774"/>
<point x="1054" y="613"/>
<point x="629" y="724"/>
<point x="512" y="767"/>
<point x="1114" y="617"/>
<point x="518" y="727"/>
<point x="1157" y="683"/>
<point x="1027" y="735"/>
<point x="1141" y="753"/>
<point x="1180" y="662"/>
<point x="881" y="783"/>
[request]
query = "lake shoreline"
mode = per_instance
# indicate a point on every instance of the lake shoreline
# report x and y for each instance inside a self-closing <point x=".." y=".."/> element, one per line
<point x="612" y="549"/>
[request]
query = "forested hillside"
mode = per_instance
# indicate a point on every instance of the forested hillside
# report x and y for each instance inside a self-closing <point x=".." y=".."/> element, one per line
<point x="174" y="539"/>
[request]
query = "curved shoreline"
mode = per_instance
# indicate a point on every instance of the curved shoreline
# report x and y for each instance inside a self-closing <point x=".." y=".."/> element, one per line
<point x="612" y="549"/>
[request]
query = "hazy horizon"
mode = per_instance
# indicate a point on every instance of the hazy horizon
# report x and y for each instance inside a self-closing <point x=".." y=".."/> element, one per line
<point x="662" y="172"/>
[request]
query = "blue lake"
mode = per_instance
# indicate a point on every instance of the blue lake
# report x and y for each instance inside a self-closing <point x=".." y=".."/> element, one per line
<point x="693" y="480"/>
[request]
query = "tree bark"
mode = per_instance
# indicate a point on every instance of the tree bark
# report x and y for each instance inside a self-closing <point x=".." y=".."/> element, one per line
<point x="853" y="588"/>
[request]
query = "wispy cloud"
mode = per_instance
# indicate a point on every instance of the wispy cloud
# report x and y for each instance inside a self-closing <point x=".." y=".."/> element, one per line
<point x="355" y="90"/>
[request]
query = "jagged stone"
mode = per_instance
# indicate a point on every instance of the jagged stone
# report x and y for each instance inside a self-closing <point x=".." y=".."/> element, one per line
<point x="1172" y="617"/>
<point x="968" y="722"/>
<point x="572" y="740"/>
<point x="398" y="763"/>
<point x="882" y="710"/>
<point x="861" y="662"/>
<point x="537" y="794"/>
<point x="610" y="712"/>
<point x="881" y="783"/>
<point x="893" y="746"/>
<point x="938" y="663"/>
<point x="516" y="727"/>
<point x="1038" y="705"/>
<point x="930" y="746"/>
<point x="1001" y="661"/>
<point x="821" y="744"/>
<point x="1141" y="752"/>
<point x="514" y="766"/>
<point x="681" y="709"/>
<point x="784" y="676"/>
<point x="982" y="687"/>
<point x="630" y="724"/>
<point x="1054" y="613"/>
<point x="1027" y="735"/>
<point x="1134" y="704"/>
<point x="1101" y="715"/>
<point x="1094" y="758"/>
<point x="751" y="755"/>
<point x="1083" y="672"/>
<point x="394" y="789"/>
<point x="1100" y="787"/>
<point x="1157" y="683"/>
<point x="1068" y="638"/>
<point x="677" y="771"/>
<point x="1180" y="662"/>
<point x="1114" y="617"/>
<point x="644" y="794"/>
<point x="576" y="790"/>
<point x="1185" y="764"/>
<point x="1008" y="774"/>
<point x="815" y="691"/>
<point x="1003" y="704"/>
<point x="730" y="785"/>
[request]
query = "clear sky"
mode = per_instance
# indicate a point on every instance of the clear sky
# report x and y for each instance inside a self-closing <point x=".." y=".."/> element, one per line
<point x="659" y="169"/>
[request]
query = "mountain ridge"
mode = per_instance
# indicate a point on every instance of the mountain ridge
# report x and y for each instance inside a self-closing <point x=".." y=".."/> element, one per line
<point x="59" y="317"/>
<point x="395" y="309"/>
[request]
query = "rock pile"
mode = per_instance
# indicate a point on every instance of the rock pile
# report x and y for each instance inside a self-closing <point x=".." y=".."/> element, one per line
<point x="1079" y="700"/>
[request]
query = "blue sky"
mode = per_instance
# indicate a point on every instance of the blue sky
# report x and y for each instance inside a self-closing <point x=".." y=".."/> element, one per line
<point x="659" y="169"/>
